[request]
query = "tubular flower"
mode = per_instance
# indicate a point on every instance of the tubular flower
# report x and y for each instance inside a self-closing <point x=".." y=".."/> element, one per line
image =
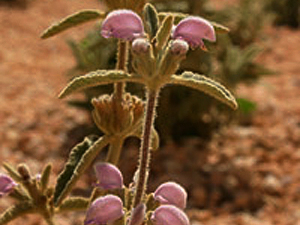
<point x="179" y="47"/>
<point x="140" y="45"/>
<point x="123" y="24"/>
<point x="169" y="215"/>
<point x="104" y="210"/>
<point x="109" y="176"/>
<point x="6" y="185"/>
<point x="192" y="30"/>
<point x="138" y="215"/>
<point x="171" y="193"/>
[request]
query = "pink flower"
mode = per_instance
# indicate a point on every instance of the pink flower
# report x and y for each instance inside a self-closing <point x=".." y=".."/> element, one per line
<point x="6" y="185"/>
<point x="179" y="47"/>
<point x="171" y="193"/>
<point x="193" y="29"/>
<point x="109" y="176"/>
<point x="169" y="215"/>
<point x="124" y="24"/>
<point x="140" y="46"/>
<point x="138" y="215"/>
<point x="104" y="210"/>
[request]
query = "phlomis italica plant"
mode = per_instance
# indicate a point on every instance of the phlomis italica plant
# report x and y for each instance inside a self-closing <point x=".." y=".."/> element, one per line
<point x="157" y="42"/>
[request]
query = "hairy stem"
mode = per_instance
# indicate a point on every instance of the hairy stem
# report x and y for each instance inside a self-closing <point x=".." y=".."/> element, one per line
<point x="115" y="146"/>
<point x="114" y="151"/>
<point x="144" y="162"/>
<point x="121" y="65"/>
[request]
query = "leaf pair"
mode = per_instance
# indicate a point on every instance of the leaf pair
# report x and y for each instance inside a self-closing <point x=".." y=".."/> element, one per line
<point x="188" y="79"/>
<point x="159" y="32"/>
<point x="151" y="17"/>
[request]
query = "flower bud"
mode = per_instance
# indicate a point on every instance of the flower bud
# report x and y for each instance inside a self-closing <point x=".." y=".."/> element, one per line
<point x="138" y="215"/>
<point x="169" y="215"/>
<point x="193" y="29"/>
<point x="104" y="210"/>
<point x="140" y="45"/>
<point x="179" y="47"/>
<point x="109" y="176"/>
<point x="124" y="24"/>
<point x="171" y="193"/>
<point x="6" y="185"/>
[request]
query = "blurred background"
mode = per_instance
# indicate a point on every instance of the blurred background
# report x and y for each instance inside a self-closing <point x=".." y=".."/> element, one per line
<point x="239" y="167"/>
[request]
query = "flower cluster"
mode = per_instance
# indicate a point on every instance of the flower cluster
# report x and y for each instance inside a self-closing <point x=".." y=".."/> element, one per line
<point x="127" y="25"/>
<point x="170" y="198"/>
<point x="161" y="59"/>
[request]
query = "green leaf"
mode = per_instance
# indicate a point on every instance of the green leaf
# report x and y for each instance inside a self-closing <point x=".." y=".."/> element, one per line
<point x="151" y="18"/>
<point x="179" y="16"/>
<point x="71" y="21"/>
<point x="45" y="177"/>
<point x="74" y="204"/>
<point x="219" y="27"/>
<point x="15" y="211"/>
<point x="12" y="172"/>
<point x="164" y="32"/>
<point x="246" y="106"/>
<point x="19" y="194"/>
<point x="206" y="85"/>
<point x="81" y="156"/>
<point x="95" y="78"/>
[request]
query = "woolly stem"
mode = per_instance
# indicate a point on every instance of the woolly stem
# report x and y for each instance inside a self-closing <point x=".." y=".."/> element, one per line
<point x="122" y="59"/>
<point x="114" y="151"/>
<point x="144" y="160"/>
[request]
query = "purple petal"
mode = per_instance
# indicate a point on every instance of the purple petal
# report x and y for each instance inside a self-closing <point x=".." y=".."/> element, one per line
<point x="179" y="47"/>
<point x="169" y="215"/>
<point x="109" y="176"/>
<point x="140" y="45"/>
<point x="6" y="184"/>
<point x="193" y="29"/>
<point x="104" y="210"/>
<point x="171" y="193"/>
<point x="124" y="24"/>
<point x="138" y="215"/>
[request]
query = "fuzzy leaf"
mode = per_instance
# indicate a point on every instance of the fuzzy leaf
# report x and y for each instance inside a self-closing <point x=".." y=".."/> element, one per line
<point x="15" y="211"/>
<point x="72" y="21"/>
<point x="179" y="16"/>
<point x="19" y="194"/>
<point x="151" y="18"/>
<point x="219" y="27"/>
<point x="12" y="172"/>
<point x="164" y="32"/>
<point x="81" y="156"/>
<point x="74" y="204"/>
<point x="95" y="78"/>
<point x="206" y="85"/>
<point x="45" y="176"/>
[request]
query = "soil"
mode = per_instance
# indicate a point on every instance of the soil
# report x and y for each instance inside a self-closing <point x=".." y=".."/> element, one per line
<point x="249" y="174"/>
